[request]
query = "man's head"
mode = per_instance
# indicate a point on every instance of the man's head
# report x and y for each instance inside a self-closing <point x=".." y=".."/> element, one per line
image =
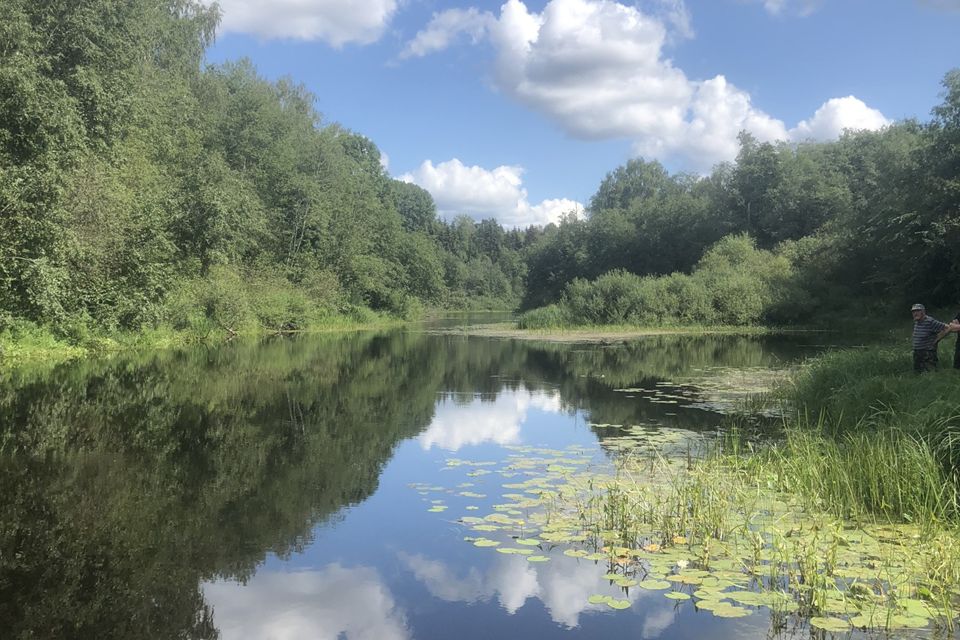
<point x="918" y="311"/>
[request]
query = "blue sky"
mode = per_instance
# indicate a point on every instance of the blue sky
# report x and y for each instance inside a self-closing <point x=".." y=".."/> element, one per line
<point x="517" y="110"/>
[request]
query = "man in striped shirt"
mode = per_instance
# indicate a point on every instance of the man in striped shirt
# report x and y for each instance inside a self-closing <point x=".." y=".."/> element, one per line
<point x="927" y="333"/>
<point x="956" y="351"/>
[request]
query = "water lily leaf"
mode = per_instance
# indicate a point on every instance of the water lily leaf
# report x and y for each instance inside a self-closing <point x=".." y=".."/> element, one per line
<point x="711" y="603"/>
<point x="575" y="553"/>
<point x="538" y="559"/>
<point x="437" y="509"/>
<point x="746" y="597"/>
<point x="909" y="622"/>
<point x="498" y="518"/>
<point x="528" y="542"/>
<point x="598" y="599"/>
<point x="917" y="608"/>
<point x="654" y="585"/>
<point x="514" y="551"/>
<point x="830" y="624"/>
<point x="484" y="542"/>
<point x="614" y="603"/>
<point x="676" y="595"/>
<point x="731" y="612"/>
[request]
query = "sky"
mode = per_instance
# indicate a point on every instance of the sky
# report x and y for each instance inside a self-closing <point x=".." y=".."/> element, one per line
<point x="517" y="110"/>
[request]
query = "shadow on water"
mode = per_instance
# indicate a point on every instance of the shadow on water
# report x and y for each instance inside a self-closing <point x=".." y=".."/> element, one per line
<point x="125" y="484"/>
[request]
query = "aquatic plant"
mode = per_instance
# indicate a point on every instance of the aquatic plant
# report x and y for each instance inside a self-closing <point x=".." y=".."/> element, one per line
<point x="730" y="533"/>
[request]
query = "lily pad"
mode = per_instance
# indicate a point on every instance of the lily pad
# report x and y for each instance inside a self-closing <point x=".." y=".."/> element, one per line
<point x="514" y="551"/>
<point x="484" y="542"/>
<point x="654" y="585"/>
<point x="731" y="612"/>
<point x="837" y="625"/>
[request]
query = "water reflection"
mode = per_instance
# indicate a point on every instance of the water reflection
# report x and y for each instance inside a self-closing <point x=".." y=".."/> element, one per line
<point x="461" y="420"/>
<point x="126" y="484"/>
<point x="564" y="587"/>
<point x="332" y="603"/>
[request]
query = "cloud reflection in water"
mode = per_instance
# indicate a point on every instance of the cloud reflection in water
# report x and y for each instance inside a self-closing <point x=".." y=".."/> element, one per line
<point x="333" y="603"/>
<point x="563" y="587"/>
<point x="456" y="425"/>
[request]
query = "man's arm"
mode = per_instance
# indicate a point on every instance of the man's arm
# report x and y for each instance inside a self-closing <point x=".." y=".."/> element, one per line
<point x="953" y="327"/>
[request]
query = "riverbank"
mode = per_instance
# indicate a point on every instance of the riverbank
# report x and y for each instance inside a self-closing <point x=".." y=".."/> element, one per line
<point x="597" y="334"/>
<point x="27" y="343"/>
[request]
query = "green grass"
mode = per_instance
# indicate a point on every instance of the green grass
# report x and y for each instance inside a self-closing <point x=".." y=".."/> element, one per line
<point x="874" y="390"/>
<point x="32" y="344"/>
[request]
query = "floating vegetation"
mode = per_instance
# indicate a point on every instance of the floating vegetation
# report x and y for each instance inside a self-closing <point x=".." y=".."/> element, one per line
<point x="715" y="534"/>
<point x="719" y="389"/>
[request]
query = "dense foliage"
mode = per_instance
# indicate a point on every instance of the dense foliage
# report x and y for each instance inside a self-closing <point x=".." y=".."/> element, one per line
<point x="138" y="188"/>
<point x="874" y="216"/>
<point x="141" y="189"/>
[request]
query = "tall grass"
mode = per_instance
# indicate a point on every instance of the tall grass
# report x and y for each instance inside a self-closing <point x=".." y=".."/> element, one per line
<point x="874" y="390"/>
<point x="888" y="475"/>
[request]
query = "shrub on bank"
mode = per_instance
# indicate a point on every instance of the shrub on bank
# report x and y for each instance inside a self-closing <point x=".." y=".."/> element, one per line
<point x="550" y="317"/>
<point x="733" y="284"/>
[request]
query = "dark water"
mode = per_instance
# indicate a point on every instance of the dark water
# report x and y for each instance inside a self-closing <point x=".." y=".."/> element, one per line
<point x="263" y="490"/>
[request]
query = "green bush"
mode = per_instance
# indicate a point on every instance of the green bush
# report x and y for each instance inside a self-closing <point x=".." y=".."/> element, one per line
<point x="614" y="298"/>
<point x="217" y="302"/>
<point x="733" y="284"/>
<point x="552" y="316"/>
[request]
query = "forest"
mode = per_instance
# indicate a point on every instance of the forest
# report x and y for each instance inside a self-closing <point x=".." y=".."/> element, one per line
<point x="143" y="189"/>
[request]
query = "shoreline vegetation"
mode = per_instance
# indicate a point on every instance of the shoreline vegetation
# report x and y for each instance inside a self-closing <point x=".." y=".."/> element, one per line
<point x="604" y="334"/>
<point x="32" y="345"/>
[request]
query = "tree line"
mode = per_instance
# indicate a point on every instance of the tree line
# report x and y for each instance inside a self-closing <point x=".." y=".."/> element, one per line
<point x="782" y="234"/>
<point x="140" y="187"/>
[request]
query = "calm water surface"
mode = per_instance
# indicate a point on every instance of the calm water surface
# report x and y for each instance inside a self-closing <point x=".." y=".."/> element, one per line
<point x="277" y="490"/>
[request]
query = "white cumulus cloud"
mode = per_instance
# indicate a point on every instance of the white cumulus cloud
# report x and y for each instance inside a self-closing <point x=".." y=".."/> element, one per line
<point x="485" y="193"/>
<point x="336" y="22"/>
<point x="836" y="115"/>
<point x="599" y="69"/>
<point x="793" y="7"/>
<point x="445" y="27"/>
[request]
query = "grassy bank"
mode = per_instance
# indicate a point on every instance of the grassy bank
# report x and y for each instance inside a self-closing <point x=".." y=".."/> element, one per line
<point x="28" y="343"/>
<point x="600" y="333"/>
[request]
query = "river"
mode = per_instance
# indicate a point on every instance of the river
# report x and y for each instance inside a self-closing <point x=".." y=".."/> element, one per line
<point x="313" y="487"/>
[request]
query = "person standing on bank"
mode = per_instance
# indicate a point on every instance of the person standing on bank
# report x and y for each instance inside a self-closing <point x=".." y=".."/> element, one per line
<point x="927" y="333"/>
<point x="956" y="351"/>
